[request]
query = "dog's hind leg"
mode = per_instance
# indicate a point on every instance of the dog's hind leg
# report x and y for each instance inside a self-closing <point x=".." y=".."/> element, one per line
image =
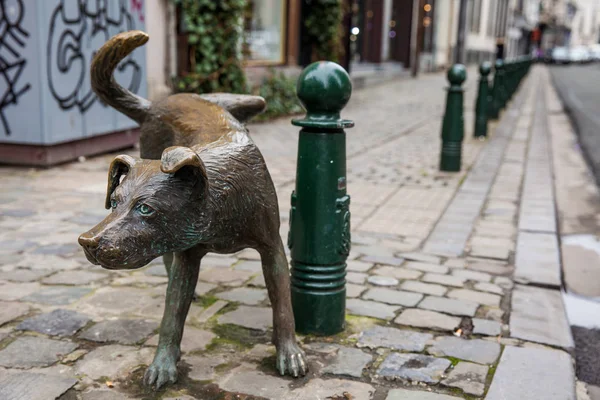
<point x="168" y="260"/>
<point x="290" y="358"/>
<point x="183" y="277"/>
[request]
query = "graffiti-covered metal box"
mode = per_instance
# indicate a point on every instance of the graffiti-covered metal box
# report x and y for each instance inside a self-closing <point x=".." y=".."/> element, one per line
<point x="46" y="47"/>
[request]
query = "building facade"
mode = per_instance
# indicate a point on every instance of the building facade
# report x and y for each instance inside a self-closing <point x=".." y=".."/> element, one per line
<point x="376" y="36"/>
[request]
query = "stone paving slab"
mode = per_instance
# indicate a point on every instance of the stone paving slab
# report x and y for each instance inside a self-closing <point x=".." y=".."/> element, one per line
<point x="413" y="367"/>
<point x="449" y="306"/>
<point x="259" y="318"/>
<point x="33" y="386"/>
<point x="538" y="259"/>
<point x="10" y="311"/>
<point x="348" y="362"/>
<point x="390" y="296"/>
<point x="194" y="339"/>
<point x="113" y="361"/>
<point x="56" y="323"/>
<point x="467" y="376"/>
<point x="405" y="394"/>
<point x="369" y="308"/>
<point x="427" y="319"/>
<point x="393" y="338"/>
<point x="123" y="331"/>
<point x="528" y="373"/>
<point x="475" y="296"/>
<point x="538" y="315"/>
<point x="28" y="352"/>
<point x="486" y="327"/>
<point x="475" y="350"/>
<point x="57" y="295"/>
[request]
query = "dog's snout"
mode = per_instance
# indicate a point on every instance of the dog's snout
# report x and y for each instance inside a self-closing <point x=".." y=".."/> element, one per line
<point x="89" y="241"/>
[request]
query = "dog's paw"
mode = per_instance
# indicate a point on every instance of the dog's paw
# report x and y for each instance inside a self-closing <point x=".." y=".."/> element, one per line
<point x="162" y="370"/>
<point x="291" y="360"/>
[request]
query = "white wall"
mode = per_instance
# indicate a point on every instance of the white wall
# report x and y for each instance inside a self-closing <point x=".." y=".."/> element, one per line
<point x="160" y="49"/>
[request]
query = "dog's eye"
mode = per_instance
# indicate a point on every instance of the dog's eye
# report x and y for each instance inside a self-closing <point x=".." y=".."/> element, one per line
<point x="113" y="204"/>
<point x="144" y="209"/>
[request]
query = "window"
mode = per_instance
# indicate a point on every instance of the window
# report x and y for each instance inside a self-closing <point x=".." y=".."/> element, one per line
<point x="265" y="31"/>
<point x="474" y="16"/>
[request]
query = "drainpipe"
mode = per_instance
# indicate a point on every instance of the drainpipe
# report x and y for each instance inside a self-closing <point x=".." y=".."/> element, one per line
<point x="449" y="41"/>
<point x="414" y="48"/>
<point x="459" y="51"/>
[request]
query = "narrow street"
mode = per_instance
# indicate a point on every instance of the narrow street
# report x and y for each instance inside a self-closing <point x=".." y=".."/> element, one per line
<point x="578" y="88"/>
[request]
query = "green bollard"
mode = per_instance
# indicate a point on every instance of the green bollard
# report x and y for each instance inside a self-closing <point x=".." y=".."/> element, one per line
<point x="507" y="82"/>
<point x="481" y="106"/>
<point x="319" y="237"/>
<point x="511" y="81"/>
<point x="500" y="92"/>
<point x="453" y="126"/>
<point x="495" y="102"/>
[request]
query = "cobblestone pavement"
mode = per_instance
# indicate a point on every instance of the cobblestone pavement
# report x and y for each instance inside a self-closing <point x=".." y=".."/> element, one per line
<point x="445" y="324"/>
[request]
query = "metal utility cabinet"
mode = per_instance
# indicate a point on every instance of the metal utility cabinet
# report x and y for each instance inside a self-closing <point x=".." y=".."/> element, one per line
<point x="48" y="112"/>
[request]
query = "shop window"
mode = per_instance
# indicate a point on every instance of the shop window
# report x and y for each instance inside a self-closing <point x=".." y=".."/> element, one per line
<point x="265" y="36"/>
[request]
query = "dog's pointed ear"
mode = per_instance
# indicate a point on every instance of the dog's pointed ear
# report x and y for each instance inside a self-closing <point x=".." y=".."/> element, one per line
<point x="118" y="167"/>
<point x="185" y="163"/>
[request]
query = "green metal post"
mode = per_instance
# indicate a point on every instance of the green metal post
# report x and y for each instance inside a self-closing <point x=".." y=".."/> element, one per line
<point x="319" y="237"/>
<point x="481" y="106"/>
<point x="501" y="93"/>
<point x="508" y="66"/>
<point x="495" y="102"/>
<point x="453" y="127"/>
<point x="511" y="80"/>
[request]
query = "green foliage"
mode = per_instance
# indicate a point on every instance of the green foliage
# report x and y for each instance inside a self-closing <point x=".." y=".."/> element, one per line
<point x="215" y="36"/>
<point x="215" y="30"/>
<point x="323" y="27"/>
<point x="279" y="91"/>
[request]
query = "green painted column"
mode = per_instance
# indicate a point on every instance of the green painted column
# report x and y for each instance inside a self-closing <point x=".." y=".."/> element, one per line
<point x="481" y="105"/>
<point x="509" y="68"/>
<point x="496" y="103"/>
<point x="319" y="237"/>
<point x="453" y="126"/>
<point x="503" y="90"/>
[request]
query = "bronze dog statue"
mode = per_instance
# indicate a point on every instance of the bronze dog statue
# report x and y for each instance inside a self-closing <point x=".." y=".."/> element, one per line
<point x="200" y="186"/>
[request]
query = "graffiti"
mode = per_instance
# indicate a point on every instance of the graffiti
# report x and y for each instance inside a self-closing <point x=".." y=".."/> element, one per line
<point x="12" y="40"/>
<point x="77" y="28"/>
<point x="138" y="6"/>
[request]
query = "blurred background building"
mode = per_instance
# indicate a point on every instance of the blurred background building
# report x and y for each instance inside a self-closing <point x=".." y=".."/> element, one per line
<point x="48" y="113"/>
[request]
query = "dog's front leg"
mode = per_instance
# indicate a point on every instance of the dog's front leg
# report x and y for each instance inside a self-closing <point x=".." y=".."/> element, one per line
<point x="183" y="276"/>
<point x="290" y="357"/>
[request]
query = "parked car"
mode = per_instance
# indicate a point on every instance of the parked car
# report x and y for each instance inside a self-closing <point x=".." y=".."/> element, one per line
<point x="580" y="54"/>
<point x="595" y="52"/>
<point x="560" y="55"/>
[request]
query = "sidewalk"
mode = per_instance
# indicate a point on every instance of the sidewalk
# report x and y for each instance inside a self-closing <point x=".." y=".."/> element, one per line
<point x="453" y="279"/>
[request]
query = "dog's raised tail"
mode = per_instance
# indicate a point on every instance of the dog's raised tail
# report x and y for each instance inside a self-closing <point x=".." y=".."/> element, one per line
<point x="103" y="83"/>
